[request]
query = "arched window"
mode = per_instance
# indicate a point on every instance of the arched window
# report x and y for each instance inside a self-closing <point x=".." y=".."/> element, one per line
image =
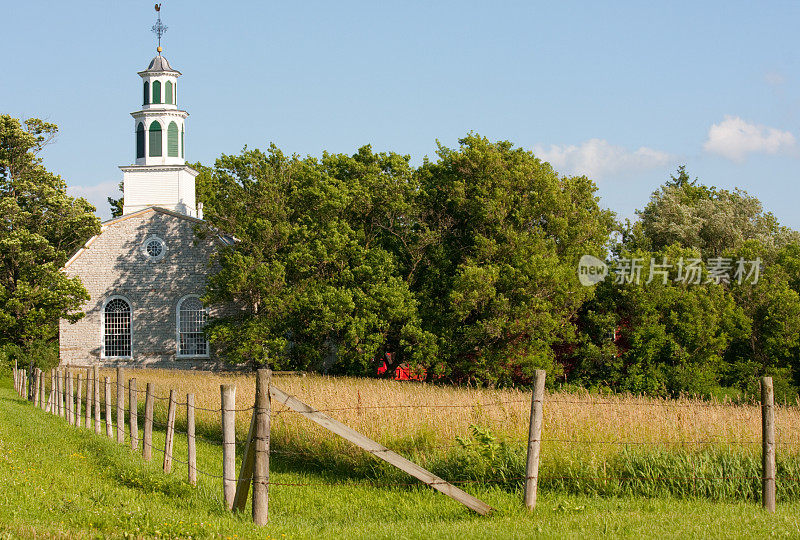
<point x="168" y="92"/>
<point x="175" y="93"/>
<point x="191" y="320"/>
<point x="140" y="141"/>
<point x="182" y="156"/>
<point x="146" y="92"/>
<point x="155" y="139"/>
<point x="156" y="92"/>
<point x="117" y="328"/>
<point x="172" y="140"/>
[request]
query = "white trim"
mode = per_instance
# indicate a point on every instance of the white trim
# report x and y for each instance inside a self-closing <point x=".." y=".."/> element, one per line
<point x="178" y="330"/>
<point x="103" y="328"/>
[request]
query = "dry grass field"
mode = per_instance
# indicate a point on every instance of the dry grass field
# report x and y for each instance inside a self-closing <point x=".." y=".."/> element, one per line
<point x="432" y="416"/>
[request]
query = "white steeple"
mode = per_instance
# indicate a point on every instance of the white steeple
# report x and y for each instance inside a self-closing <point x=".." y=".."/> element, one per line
<point x="160" y="176"/>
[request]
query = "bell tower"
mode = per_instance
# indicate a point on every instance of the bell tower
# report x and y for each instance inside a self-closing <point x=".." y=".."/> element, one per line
<point x="159" y="175"/>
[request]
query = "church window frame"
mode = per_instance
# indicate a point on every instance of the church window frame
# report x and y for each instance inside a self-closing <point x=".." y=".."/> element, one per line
<point x="120" y="323"/>
<point x="155" y="139"/>
<point x="140" y="138"/>
<point x="156" y="92"/>
<point x="190" y="340"/>
<point x="172" y="139"/>
<point x="146" y="93"/>
<point x="154" y="248"/>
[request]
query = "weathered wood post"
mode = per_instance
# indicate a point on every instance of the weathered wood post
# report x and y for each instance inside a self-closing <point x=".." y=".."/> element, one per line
<point x="190" y="441"/>
<point x="246" y="470"/>
<point x="262" y="413"/>
<point x="96" y="389"/>
<point x="42" y="392"/>
<point x="60" y="392"/>
<point x="173" y="403"/>
<point x="133" y="405"/>
<point x="78" y="402"/>
<point x="109" y="430"/>
<point x="120" y="405"/>
<point x="147" y="441"/>
<point x="228" y="398"/>
<point x="89" y="393"/>
<point x="37" y="377"/>
<point x="534" y="440"/>
<point x="70" y="404"/>
<point x="51" y="401"/>
<point x="16" y="377"/>
<point x="768" y="444"/>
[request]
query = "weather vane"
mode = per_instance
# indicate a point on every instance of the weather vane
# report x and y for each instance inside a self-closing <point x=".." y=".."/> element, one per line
<point x="159" y="29"/>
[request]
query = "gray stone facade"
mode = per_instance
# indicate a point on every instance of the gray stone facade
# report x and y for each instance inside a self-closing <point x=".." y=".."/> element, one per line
<point x="114" y="264"/>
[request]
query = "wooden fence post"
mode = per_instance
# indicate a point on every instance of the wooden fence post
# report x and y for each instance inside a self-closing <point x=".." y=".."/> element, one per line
<point x="228" y="399"/>
<point x="173" y="402"/>
<point x="89" y="392"/>
<point x="109" y="430"/>
<point x="120" y="405"/>
<point x="767" y="445"/>
<point x="51" y="401"/>
<point x="262" y="413"/>
<point x="534" y="440"/>
<point x="16" y="376"/>
<point x="78" y="402"/>
<point x="42" y="392"/>
<point x="70" y="404"/>
<point x="59" y="393"/>
<point x="190" y="441"/>
<point x="36" y="378"/>
<point x="133" y="406"/>
<point x="246" y="470"/>
<point x="147" y="441"/>
<point x="96" y="389"/>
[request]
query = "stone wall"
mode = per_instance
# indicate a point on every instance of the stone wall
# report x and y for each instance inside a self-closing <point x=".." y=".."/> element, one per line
<point x="114" y="264"/>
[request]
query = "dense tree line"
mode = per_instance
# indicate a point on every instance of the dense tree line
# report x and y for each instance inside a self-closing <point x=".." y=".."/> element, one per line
<point x="465" y="266"/>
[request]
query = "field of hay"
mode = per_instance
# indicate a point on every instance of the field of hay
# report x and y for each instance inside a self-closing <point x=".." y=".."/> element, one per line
<point x="602" y="445"/>
<point x="396" y="411"/>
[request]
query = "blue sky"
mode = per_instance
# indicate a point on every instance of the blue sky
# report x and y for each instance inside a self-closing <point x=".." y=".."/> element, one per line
<point x="622" y="92"/>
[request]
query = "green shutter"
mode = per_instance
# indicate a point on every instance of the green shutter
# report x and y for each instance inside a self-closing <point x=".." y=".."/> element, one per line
<point x="172" y="139"/>
<point x="175" y="93"/>
<point x="156" y="92"/>
<point x="155" y="139"/>
<point x="182" y="142"/>
<point x="140" y="141"/>
<point x="168" y="92"/>
<point x="146" y="93"/>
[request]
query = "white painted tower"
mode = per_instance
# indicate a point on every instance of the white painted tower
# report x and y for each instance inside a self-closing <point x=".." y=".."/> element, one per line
<point x="160" y="176"/>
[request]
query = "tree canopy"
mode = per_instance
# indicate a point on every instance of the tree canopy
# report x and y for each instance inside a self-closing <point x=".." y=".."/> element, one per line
<point x="41" y="227"/>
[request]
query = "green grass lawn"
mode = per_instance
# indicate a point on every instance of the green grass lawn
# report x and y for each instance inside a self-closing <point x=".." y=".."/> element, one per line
<point x="66" y="482"/>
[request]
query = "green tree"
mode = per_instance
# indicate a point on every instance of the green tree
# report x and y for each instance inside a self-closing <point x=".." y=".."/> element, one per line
<point x="310" y="272"/>
<point x="117" y="204"/>
<point x="712" y="220"/>
<point x="42" y="227"/>
<point x="499" y="285"/>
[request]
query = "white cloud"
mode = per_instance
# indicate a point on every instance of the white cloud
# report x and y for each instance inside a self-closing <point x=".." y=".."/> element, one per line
<point x="773" y="78"/>
<point x="97" y="195"/>
<point x="597" y="158"/>
<point x="735" y="138"/>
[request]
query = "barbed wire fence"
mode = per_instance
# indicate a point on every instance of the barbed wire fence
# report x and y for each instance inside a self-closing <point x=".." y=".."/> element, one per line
<point x="67" y="400"/>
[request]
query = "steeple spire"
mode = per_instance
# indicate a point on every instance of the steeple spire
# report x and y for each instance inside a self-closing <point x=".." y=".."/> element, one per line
<point x="159" y="29"/>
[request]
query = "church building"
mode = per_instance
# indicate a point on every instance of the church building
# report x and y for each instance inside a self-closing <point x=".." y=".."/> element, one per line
<point x="146" y="270"/>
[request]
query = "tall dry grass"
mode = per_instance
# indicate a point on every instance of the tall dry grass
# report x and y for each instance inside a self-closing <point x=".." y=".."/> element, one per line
<point x="609" y="445"/>
<point x="394" y="411"/>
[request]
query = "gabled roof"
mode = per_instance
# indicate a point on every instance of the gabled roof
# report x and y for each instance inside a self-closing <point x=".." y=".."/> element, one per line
<point x="227" y="240"/>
